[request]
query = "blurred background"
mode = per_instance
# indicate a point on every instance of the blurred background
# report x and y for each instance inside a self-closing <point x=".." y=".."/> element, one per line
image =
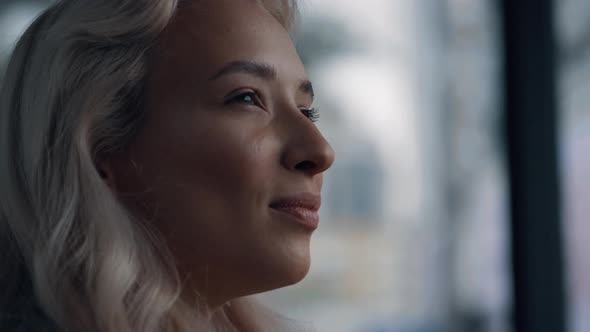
<point x="415" y="221"/>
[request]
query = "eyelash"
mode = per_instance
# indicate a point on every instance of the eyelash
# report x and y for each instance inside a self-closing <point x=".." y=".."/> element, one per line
<point x="313" y="114"/>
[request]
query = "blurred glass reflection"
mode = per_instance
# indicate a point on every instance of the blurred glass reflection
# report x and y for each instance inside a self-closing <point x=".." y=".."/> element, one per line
<point x="573" y="17"/>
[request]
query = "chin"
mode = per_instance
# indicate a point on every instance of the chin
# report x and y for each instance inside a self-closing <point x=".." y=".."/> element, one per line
<point x="281" y="272"/>
<point x="293" y="269"/>
<point x="297" y="272"/>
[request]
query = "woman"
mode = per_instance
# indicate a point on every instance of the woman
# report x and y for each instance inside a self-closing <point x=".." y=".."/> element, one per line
<point x="158" y="162"/>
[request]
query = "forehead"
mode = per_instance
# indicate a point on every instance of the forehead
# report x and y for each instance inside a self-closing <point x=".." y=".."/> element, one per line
<point x="207" y="34"/>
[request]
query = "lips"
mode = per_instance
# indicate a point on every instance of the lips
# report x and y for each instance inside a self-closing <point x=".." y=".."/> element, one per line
<point x="302" y="208"/>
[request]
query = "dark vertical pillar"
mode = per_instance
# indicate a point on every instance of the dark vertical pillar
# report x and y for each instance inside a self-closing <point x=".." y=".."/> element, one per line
<point x="531" y="129"/>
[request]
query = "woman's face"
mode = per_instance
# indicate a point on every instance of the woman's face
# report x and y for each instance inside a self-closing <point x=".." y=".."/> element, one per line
<point x="228" y="165"/>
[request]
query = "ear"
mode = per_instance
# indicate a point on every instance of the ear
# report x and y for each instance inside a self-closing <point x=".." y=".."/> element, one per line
<point x="107" y="174"/>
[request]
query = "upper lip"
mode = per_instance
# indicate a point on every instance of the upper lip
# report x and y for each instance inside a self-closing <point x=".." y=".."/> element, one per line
<point x="303" y="200"/>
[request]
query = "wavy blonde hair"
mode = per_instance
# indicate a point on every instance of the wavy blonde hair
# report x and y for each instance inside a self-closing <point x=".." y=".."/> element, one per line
<point x="70" y="251"/>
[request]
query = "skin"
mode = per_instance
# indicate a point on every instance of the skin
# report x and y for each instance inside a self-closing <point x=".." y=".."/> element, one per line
<point x="209" y="160"/>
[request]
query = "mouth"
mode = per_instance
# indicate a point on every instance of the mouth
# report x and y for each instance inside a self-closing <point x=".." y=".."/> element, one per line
<point x="301" y="208"/>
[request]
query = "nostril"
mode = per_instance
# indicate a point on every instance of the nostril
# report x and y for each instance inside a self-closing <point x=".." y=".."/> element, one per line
<point x="305" y="166"/>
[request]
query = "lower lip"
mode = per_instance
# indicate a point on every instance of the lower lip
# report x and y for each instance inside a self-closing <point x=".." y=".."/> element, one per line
<point x="305" y="217"/>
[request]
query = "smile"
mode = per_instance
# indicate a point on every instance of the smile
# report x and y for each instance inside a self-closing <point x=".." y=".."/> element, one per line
<point x="302" y="208"/>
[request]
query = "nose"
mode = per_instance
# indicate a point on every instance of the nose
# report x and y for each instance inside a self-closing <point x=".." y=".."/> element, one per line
<point x="307" y="150"/>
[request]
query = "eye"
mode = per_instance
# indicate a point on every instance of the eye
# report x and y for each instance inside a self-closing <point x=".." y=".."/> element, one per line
<point x="312" y="114"/>
<point x="244" y="97"/>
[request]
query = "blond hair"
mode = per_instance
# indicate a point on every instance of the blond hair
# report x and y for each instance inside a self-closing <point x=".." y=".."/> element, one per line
<point x="72" y="94"/>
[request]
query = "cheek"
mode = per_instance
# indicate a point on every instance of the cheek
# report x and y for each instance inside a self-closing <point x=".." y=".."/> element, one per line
<point x="204" y="180"/>
<point x="230" y="161"/>
<point x="204" y="170"/>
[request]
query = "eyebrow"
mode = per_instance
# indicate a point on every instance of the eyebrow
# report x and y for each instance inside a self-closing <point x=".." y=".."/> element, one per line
<point x="261" y="70"/>
<point x="307" y="88"/>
